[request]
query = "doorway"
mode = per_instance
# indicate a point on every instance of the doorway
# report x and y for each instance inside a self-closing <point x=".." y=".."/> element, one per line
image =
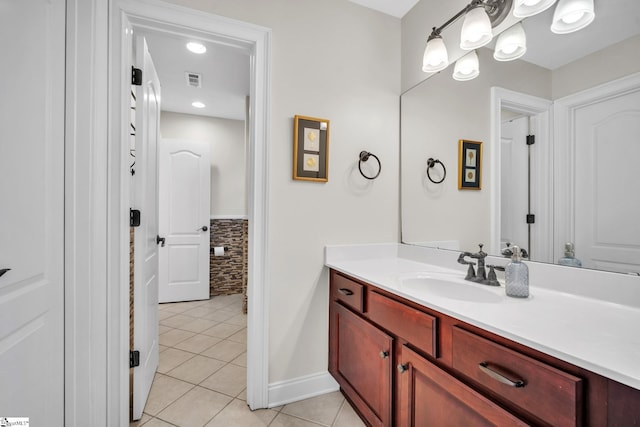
<point x="256" y="41"/>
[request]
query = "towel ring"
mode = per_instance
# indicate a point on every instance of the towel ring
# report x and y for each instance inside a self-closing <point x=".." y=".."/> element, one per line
<point x="431" y="163"/>
<point x="364" y="156"/>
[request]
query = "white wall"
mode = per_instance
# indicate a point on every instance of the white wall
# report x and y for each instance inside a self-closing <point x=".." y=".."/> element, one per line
<point x="228" y="165"/>
<point x="335" y="60"/>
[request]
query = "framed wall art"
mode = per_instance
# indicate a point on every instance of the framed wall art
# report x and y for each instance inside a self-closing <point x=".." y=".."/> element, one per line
<point x="310" y="149"/>
<point x="469" y="165"/>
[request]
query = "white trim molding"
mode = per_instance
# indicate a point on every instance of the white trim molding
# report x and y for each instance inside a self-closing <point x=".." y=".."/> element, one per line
<point x="542" y="186"/>
<point x="256" y="40"/>
<point x="564" y="134"/>
<point x="283" y="392"/>
<point x="229" y="217"/>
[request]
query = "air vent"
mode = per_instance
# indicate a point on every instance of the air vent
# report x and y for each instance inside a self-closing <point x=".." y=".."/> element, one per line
<point x="193" y="79"/>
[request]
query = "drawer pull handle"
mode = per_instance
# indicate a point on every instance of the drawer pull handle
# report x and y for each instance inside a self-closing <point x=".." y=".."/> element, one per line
<point x="384" y="354"/>
<point x="484" y="367"/>
<point x="345" y="291"/>
<point x="402" y="368"/>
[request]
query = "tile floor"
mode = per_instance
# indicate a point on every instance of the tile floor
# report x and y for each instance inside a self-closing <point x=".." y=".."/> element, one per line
<point x="201" y="377"/>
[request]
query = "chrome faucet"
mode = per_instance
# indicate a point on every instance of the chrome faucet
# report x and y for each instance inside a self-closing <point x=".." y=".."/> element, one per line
<point x="479" y="276"/>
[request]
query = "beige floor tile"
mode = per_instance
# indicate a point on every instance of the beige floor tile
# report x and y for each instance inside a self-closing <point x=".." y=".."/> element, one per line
<point x="162" y="329"/>
<point x="230" y="380"/>
<point x="154" y="422"/>
<point x="321" y="409"/>
<point x="196" y="369"/>
<point x="162" y="348"/>
<point x="198" y="343"/>
<point x="173" y="307"/>
<point x="145" y="418"/>
<point x="220" y="315"/>
<point x="174" y="336"/>
<point x="238" y="414"/>
<point x="347" y="417"/>
<point x="222" y="330"/>
<point x="172" y="358"/>
<point x="240" y="336"/>
<point x="243" y="395"/>
<point x="176" y="321"/>
<point x="225" y="350"/>
<point x="198" y="325"/>
<point x="164" y="314"/>
<point x="240" y="360"/>
<point x="238" y="319"/>
<point x="164" y="391"/>
<point x="283" y="420"/>
<point x="195" y="408"/>
<point x="200" y="311"/>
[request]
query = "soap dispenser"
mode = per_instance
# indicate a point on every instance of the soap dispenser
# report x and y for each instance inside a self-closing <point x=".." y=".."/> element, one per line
<point x="517" y="276"/>
<point x="569" y="257"/>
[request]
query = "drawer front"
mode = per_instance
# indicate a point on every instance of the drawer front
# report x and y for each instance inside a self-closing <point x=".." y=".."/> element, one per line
<point x="346" y="290"/>
<point x="546" y="393"/>
<point x="416" y="327"/>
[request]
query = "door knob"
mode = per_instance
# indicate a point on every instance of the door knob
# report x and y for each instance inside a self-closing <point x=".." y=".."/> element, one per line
<point x="3" y="270"/>
<point x="204" y="228"/>
<point x="160" y="240"/>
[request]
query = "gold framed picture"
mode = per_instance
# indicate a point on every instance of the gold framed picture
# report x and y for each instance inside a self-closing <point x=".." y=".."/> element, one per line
<point x="469" y="165"/>
<point x="310" y="149"/>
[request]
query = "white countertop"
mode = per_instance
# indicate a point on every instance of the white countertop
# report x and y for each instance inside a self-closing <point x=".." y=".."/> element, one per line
<point x="599" y="335"/>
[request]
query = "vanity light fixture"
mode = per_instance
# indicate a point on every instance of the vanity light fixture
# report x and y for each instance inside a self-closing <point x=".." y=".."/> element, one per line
<point x="476" y="28"/>
<point x="479" y="18"/>
<point x="435" y="55"/>
<point x="467" y="67"/>
<point x="511" y="44"/>
<point x="572" y="15"/>
<point x="526" y="8"/>
<point x="196" y="47"/>
<point x="198" y="104"/>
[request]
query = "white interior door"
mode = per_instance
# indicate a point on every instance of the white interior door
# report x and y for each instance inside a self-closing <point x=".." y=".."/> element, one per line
<point x="145" y="333"/>
<point x="514" y="191"/>
<point x="32" y="42"/>
<point x="185" y="169"/>
<point x="607" y="206"/>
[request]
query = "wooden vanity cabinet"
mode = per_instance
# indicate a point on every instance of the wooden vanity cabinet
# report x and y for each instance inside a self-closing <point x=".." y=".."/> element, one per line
<point x="402" y="364"/>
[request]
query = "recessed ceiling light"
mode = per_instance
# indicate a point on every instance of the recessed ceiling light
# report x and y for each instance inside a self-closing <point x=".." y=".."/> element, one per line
<point x="196" y="47"/>
<point x="198" y="104"/>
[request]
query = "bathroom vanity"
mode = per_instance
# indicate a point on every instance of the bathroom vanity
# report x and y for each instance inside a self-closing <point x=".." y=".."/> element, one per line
<point x="412" y="344"/>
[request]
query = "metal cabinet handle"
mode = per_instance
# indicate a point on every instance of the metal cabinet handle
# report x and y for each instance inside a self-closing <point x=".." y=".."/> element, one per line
<point x="484" y="367"/>
<point x="3" y="270"/>
<point x="384" y="354"/>
<point x="403" y="368"/>
<point x="345" y="291"/>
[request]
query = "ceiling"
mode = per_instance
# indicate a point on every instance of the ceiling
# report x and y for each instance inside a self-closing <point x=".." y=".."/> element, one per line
<point x="397" y="8"/>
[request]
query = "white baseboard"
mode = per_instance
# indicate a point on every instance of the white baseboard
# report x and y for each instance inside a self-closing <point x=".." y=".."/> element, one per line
<point x="283" y="392"/>
<point x="230" y="216"/>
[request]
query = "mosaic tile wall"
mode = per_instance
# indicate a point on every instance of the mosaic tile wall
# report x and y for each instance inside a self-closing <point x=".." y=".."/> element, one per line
<point x="228" y="273"/>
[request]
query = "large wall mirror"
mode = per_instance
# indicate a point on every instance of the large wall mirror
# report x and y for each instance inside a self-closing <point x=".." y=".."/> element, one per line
<point x="579" y="94"/>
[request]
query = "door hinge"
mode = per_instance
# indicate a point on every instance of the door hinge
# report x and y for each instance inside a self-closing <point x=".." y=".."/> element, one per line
<point x="134" y="218"/>
<point x="531" y="219"/>
<point x="134" y="358"/>
<point x="136" y="76"/>
<point x="531" y="139"/>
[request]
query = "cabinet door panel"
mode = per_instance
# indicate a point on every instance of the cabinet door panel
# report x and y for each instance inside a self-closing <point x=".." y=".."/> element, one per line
<point x="362" y="364"/>
<point x="431" y="397"/>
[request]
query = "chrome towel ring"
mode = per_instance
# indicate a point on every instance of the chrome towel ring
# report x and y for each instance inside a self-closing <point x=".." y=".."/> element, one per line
<point x="364" y="156"/>
<point x="431" y="163"/>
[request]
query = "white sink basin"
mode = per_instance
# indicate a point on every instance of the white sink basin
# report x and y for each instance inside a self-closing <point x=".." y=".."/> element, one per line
<point x="448" y="286"/>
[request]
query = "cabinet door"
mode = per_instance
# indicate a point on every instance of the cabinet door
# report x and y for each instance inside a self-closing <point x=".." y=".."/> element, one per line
<point x="360" y="360"/>
<point x="431" y="397"/>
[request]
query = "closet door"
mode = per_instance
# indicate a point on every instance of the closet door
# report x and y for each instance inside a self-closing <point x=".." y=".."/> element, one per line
<point x="32" y="42"/>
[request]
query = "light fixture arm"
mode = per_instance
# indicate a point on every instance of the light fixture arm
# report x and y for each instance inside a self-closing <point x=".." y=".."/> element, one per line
<point x="496" y="9"/>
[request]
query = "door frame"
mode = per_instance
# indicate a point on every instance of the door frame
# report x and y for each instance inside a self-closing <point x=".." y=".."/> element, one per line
<point x="255" y="40"/>
<point x="542" y="193"/>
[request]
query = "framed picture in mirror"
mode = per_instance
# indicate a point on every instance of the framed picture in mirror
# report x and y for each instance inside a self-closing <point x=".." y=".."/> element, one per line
<point x="469" y="165"/>
<point x="310" y="149"/>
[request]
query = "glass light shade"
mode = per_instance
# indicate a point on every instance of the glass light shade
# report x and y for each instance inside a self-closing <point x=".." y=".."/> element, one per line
<point x="435" y="56"/>
<point x="198" y="104"/>
<point x="476" y="29"/>
<point x="467" y="67"/>
<point x="195" y="47"/>
<point x="525" y="8"/>
<point x="572" y="15"/>
<point x="511" y="44"/>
